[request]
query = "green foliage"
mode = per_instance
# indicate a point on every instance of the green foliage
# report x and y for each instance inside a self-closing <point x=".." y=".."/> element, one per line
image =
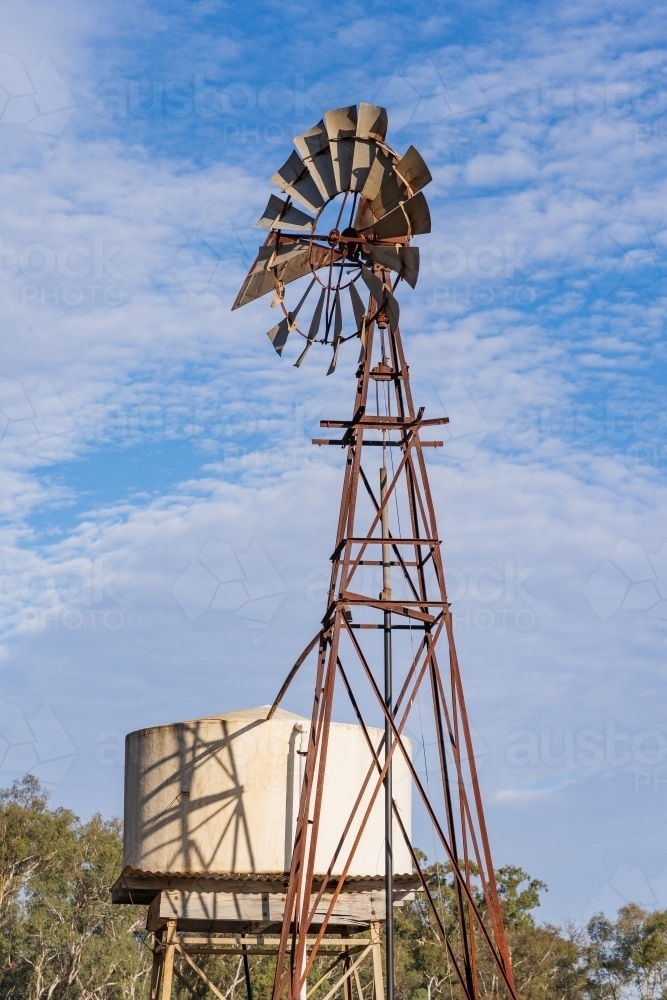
<point x="60" y="936"/>
<point x="628" y="956"/>
<point x="517" y="903"/>
<point x="425" y="970"/>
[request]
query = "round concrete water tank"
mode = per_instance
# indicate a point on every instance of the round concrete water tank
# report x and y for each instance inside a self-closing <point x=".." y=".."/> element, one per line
<point x="220" y="795"/>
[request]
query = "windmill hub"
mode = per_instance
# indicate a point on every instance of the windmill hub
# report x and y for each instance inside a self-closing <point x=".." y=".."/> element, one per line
<point x="351" y="236"/>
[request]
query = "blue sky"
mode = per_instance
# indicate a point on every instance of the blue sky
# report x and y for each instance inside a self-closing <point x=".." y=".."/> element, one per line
<point x="141" y="418"/>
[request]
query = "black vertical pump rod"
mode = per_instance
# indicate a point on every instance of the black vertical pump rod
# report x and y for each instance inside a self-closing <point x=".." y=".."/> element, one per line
<point x="388" y="698"/>
<point x="388" y="833"/>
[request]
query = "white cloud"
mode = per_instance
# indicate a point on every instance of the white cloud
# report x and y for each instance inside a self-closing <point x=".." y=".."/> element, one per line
<point x="487" y="170"/>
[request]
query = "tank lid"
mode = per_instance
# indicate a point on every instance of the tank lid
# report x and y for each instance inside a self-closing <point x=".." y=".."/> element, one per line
<point x="257" y="714"/>
<point x="260" y="712"/>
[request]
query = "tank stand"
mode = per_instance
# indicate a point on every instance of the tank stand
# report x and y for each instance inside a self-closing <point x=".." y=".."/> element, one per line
<point x="173" y="953"/>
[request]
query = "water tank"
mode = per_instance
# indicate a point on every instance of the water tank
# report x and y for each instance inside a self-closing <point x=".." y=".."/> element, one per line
<point x="220" y="795"/>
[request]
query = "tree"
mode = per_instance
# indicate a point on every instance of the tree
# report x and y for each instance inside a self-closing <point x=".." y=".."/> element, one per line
<point x="546" y="963"/>
<point x="517" y="903"/>
<point x="61" y="935"/>
<point x="628" y="956"/>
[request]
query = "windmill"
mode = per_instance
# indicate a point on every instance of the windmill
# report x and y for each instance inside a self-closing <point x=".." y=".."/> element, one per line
<point x="344" y="227"/>
<point x="347" y="171"/>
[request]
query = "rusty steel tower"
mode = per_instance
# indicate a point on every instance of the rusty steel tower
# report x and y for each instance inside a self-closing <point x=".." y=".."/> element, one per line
<point x="386" y="642"/>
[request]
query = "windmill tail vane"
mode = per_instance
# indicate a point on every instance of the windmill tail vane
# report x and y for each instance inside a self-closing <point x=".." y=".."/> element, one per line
<point x="344" y="229"/>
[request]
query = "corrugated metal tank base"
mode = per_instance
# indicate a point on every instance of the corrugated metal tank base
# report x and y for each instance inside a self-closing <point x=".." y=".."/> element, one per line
<point x="220" y="795"/>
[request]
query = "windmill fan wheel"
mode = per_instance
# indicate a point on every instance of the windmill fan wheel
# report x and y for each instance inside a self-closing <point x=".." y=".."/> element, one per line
<point x="365" y="204"/>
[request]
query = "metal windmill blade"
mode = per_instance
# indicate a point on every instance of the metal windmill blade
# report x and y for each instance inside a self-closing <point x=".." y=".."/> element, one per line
<point x="359" y="311"/>
<point x="278" y="334"/>
<point x="381" y="170"/>
<point x="372" y="122"/>
<point x="341" y="126"/>
<point x="279" y="214"/>
<point x="314" y="328"/>
<point x="371" y="128"/>
<point x="410" y="218"/>
<point x="408" y="177"/>
<point x="358" y="307"/>
<point x="338" y="329"/>
<point x="292" y="260"/>
<point x="295" y="179"/>
<point x="403" y="260"/>
<point x="382" y="295"/>
<point x="313" y="146"/>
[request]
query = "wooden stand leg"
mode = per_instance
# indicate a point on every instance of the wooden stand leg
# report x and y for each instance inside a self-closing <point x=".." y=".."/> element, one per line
<point x="347" y="985"/>
<point x="378" y="982"/>
<point x="155" y="971"/>
<point x="168" y="960"/>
